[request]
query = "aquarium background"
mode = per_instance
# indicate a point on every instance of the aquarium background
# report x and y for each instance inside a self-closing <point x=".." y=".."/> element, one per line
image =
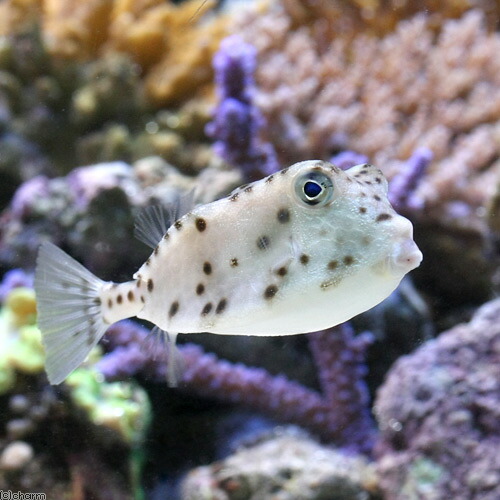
<point x="109" y="106"/>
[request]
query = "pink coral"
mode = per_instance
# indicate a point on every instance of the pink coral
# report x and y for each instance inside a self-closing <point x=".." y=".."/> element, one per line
<point x="421" y="85"/>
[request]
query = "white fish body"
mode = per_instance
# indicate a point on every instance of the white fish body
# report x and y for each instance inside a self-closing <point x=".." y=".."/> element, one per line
<point x="302" y="250"/>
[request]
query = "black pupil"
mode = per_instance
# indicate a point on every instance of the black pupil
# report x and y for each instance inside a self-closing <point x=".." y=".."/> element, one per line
<point x="312" y="189"/>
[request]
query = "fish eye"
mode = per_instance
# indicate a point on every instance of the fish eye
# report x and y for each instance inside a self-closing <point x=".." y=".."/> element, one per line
<point x="314" y="188"/>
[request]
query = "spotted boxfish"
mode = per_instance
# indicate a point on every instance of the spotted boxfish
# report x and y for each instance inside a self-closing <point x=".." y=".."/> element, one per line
<point x="301" y="250"/>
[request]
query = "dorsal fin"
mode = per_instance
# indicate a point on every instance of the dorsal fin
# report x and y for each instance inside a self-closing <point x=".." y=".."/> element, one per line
<point x="153" y="222"/>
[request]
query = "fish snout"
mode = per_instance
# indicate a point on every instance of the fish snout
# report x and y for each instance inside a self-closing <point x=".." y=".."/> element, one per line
<point x="405" y="256"/>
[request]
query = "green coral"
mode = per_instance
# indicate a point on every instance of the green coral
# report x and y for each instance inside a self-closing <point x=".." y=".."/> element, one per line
<point x="27" y="354"/>
<point x="423" y="479"/>
<point x="121" y="406"/>
<point x="21" y="348"/>
<point x="7" y="374"/>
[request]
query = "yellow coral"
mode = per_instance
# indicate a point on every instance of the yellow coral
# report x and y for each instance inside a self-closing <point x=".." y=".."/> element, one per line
<point x="20" y="340"/>
<point x="187" y="66"/>
<point x="18" y="15"/>
<point x="167" y="41"/>
<point x="173" y="44"/>
<point x="139" y="28"/>
<point x="21" y="303"/>
<point x="72" y="28"/>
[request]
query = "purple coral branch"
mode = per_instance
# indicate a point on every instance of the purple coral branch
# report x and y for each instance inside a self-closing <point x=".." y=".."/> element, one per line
<point x="403" y="186"/>
<point x="277" y="396"/>
<point x="347" y="159"/>
<point x="14" y="278"/>
<point x="340" y="356"/>
<point x="237" y="121"/>
<point x="339" y="415"/>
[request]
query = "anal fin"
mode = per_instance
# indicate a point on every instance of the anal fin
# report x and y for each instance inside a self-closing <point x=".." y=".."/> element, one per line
<point x="161" y="342"/>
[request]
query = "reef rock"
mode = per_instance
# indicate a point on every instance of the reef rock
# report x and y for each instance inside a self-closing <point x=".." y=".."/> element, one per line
<point x="288" y="466"/>
<point x="439" y="416"/>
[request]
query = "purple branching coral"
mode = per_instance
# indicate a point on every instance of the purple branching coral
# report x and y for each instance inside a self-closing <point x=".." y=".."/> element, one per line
<point x="404" y="184"/>
<point x="340" y="358"/>
<point x="339" y="415"/>
<point x="14" y="278"/>
<point x="347" y="159"/>
<point x="237" y="120"/>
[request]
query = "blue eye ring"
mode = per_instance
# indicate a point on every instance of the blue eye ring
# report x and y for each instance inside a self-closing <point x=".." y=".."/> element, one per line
<point x="314" y="188"/>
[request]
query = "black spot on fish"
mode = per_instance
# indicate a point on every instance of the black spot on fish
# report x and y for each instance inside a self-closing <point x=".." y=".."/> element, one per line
<point x="248" y="189"/>
<point x="110" y="303"/>
<point x="282" y="271"/>
<point x="283" y="215"/>
<point x="200" y="289"/>
<point x="376" y="197"/>
<point x="207" y="268"/>
<point x="270" y="292"/>
<point x="234" y="197"/>
<point x="97" y="301"/>
<point x="138" y="283"/>
<point x="221" y="306"/>
<point x="233" y="262"/>
<point x="130" y="296"/>
<point x="269" y="179"/>
<point x="119" y="299"/>
<point x="263" y="242"/>
<point x="284" y="171"/>
<point x="157" y="249"/>
<point x="178" y="224"/>
<point x="382" y="217"/>
<point x="150" y="285"/>
<point x="201" y="224"/>
<point x="304" y="259"/>
<point x="362" y="210"/>
<point x="142" y="299"/>
<point x="333" y="264"/>
<point x="174" y="307"/>
<point x="166" y="236"/>
<point x="378" y="180"/>
<point x="348" y="260"/>
<point x="206" y="308"/>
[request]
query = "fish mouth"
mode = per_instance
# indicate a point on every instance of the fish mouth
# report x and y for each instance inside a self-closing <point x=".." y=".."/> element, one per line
<point x="405" y="256"/>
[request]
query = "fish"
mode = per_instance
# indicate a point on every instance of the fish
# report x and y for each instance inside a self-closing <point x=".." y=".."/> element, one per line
<point x="301" y="250"/>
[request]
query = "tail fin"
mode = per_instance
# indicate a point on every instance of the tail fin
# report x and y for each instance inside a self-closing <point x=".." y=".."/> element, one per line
<point x="69" y="311"/>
